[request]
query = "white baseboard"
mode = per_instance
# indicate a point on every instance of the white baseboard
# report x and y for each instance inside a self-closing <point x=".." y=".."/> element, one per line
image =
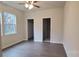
<point x="65" y="50"/>
<point x="56" y="42"/>
<point x="38" y="41"/>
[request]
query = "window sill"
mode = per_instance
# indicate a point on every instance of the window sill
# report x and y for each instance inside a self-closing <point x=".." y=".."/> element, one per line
<point x="12" y="33"/>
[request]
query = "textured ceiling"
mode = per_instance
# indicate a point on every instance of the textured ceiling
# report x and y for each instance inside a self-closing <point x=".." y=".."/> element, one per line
<point x="42" y="4"/>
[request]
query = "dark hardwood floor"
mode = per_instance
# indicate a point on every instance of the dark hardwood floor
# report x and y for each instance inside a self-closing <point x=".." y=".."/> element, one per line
<point x="35" y="49"/>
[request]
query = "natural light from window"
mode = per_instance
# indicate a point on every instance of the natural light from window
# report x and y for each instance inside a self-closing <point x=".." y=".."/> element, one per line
<point x="9" y="23"/>
<point x="1" y="23"/>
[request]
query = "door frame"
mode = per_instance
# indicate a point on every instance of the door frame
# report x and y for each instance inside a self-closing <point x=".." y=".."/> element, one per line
<point x="27" y="29"/>
<point x="50" y="27"/>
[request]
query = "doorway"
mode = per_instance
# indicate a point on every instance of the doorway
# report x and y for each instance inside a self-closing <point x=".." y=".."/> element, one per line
<point x="30" y="29"/>
<point x="46" y="29"/>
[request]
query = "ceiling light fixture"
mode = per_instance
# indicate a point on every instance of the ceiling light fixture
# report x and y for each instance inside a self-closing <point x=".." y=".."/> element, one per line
<point x="29" y="5"/>
<point x="26" y="5"/>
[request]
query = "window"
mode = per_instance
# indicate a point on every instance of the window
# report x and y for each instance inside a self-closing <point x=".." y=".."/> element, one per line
<point x="1" y="23"/>
<point x="9" y="23"/>
<point x="0" y="18"/>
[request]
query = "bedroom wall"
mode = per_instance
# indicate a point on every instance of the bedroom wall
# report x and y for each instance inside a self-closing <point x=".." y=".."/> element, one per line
<point x="56" y="15"/>
<point x="71" y="29"/>
<point x="9" y="40"/>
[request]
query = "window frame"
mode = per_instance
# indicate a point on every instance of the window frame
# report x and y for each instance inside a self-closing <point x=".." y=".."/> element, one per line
<point x="1" y="23"/>
<point x="9" y="24"/>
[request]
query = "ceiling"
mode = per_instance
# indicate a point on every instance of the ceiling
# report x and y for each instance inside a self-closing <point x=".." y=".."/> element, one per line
<point x="42" y="4"/>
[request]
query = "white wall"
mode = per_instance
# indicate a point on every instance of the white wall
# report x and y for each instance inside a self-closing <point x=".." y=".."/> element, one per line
<point x="8" y="40"/>
<point x="56" y="15"/>
<point x="71" y="28"/>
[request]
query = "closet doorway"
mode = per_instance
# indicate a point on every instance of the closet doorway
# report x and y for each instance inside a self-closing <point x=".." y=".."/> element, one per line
<point x="46" y="29"/>
<point x="30" y="30"/>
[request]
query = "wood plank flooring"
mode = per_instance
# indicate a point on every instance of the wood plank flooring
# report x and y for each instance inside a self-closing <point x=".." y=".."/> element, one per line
<point x="35" y="49"/>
